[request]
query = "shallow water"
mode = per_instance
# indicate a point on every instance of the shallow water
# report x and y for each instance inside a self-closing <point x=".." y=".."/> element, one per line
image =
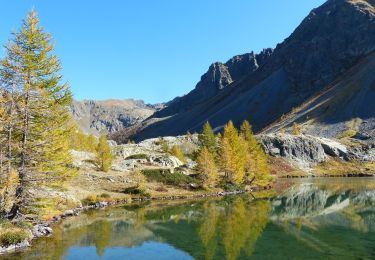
<point x="303" y="219"/>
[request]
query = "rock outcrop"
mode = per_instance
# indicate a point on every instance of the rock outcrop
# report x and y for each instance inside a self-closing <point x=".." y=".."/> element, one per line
<point x="146" y="154"/>
<point x="303" y="151"/>
<point x="307" y="151"/>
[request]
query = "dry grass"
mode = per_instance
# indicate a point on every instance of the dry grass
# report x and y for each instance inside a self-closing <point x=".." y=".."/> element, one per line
<point x="114" y="183"/>
<point x="336" y="167"/>
<point x="12" y="234"/>
<point x="47" y="208"/>
<point x="280" y="168"/>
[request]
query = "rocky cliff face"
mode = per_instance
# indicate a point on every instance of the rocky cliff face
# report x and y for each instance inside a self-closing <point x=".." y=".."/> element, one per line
<point x="307" y="151"/>
<point x="303" y="151"/>
<point x="330" y="41"/>
<point x="110" y="115"/>
<point x="219" y="76"/>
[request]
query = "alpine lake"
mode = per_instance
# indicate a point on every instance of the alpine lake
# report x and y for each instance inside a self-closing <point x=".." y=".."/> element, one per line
<point x="326" y="218"/>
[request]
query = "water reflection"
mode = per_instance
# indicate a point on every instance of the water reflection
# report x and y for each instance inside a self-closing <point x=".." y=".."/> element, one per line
<point x="312" y="219"/>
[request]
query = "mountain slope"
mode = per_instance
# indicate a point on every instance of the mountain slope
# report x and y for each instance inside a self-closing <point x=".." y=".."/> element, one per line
<point x="219" y="76"/>
<point x="96" y="116"/>
<point x="328" y="43"/>
<point x="345" y="105"/>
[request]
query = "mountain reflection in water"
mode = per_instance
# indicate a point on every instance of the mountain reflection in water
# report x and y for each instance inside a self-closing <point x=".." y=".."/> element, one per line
<point x="311" y="219"/>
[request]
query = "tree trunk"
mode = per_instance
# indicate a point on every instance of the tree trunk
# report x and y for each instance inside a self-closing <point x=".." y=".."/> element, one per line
<point x="1" y="163"/>
<point x="9" y="134"/>
<point x="22" y="170"/>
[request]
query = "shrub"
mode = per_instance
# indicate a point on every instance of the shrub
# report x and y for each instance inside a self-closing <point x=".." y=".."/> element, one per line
<point x="105" y="196"/>
<point x="296" y="129"/>
<point x="24" y="224"/>
<point x="135" y="190"/>
<point x="137" y="156"/>
<point x="232" y="187"/>
<point x="166" y="177"/>
<point x="164" y="144"/>
<point x="90" y="200"/>
<point x="15" y="236"/>
<point x="5" y="223"/>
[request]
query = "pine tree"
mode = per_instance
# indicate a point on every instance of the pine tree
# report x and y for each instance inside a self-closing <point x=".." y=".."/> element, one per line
<point x="103" y="154"/>
<point x="176" y="151"/>
<point x="91" y="143"/>
<point x="256" y="160"/>
<point x="226" y="158"/>
<point x="80" y="141"/>
<point x="207" y="138"/>
<point x="140" y="179"/>
<point x="247" y="133"/>
<point x="31" y="73"/>
<point x="3" y="134"/>
<point x="207" y="167"/>
<point x="233" y="154"/>
<point x="8" y="118"/>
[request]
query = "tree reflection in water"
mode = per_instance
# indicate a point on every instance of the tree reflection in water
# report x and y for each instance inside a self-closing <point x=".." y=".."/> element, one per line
<point x="322" y="220"/>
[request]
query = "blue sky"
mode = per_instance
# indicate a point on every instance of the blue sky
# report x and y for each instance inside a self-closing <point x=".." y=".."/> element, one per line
<point x="152" y="50"/>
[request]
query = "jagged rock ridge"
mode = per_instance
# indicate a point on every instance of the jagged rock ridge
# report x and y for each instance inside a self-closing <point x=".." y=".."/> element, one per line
<point x="219" y="76"/>
<point x="329" y="42"/>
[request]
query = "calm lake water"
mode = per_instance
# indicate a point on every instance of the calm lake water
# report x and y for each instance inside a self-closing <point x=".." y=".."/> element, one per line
<point x="307" y="219"/>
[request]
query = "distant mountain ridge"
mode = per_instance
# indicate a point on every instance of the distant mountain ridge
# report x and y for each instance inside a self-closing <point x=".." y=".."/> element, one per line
<point x="112" y="115"/>
<point x="262" y="88"/>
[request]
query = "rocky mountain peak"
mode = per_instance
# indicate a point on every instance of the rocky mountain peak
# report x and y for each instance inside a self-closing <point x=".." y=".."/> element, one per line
<point x="218" y="77"/>
<point x="328" y="42"/>
<point x="332" y="41"/>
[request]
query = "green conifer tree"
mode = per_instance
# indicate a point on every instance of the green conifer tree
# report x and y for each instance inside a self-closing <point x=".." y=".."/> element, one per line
<point x="208" y="139"/>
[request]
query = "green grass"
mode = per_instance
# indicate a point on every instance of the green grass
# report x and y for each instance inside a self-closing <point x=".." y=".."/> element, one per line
<point x="137" y="156"/>
<point x="166" y="177"/>
<point x="135" y="190"/>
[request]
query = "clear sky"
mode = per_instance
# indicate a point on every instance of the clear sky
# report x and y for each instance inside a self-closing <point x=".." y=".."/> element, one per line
<point x="153" y="50"/>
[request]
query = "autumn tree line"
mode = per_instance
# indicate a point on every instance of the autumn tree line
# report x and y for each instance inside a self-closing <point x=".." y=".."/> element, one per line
<point x="233" y="156"/>
<point x="36" y="128"/>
